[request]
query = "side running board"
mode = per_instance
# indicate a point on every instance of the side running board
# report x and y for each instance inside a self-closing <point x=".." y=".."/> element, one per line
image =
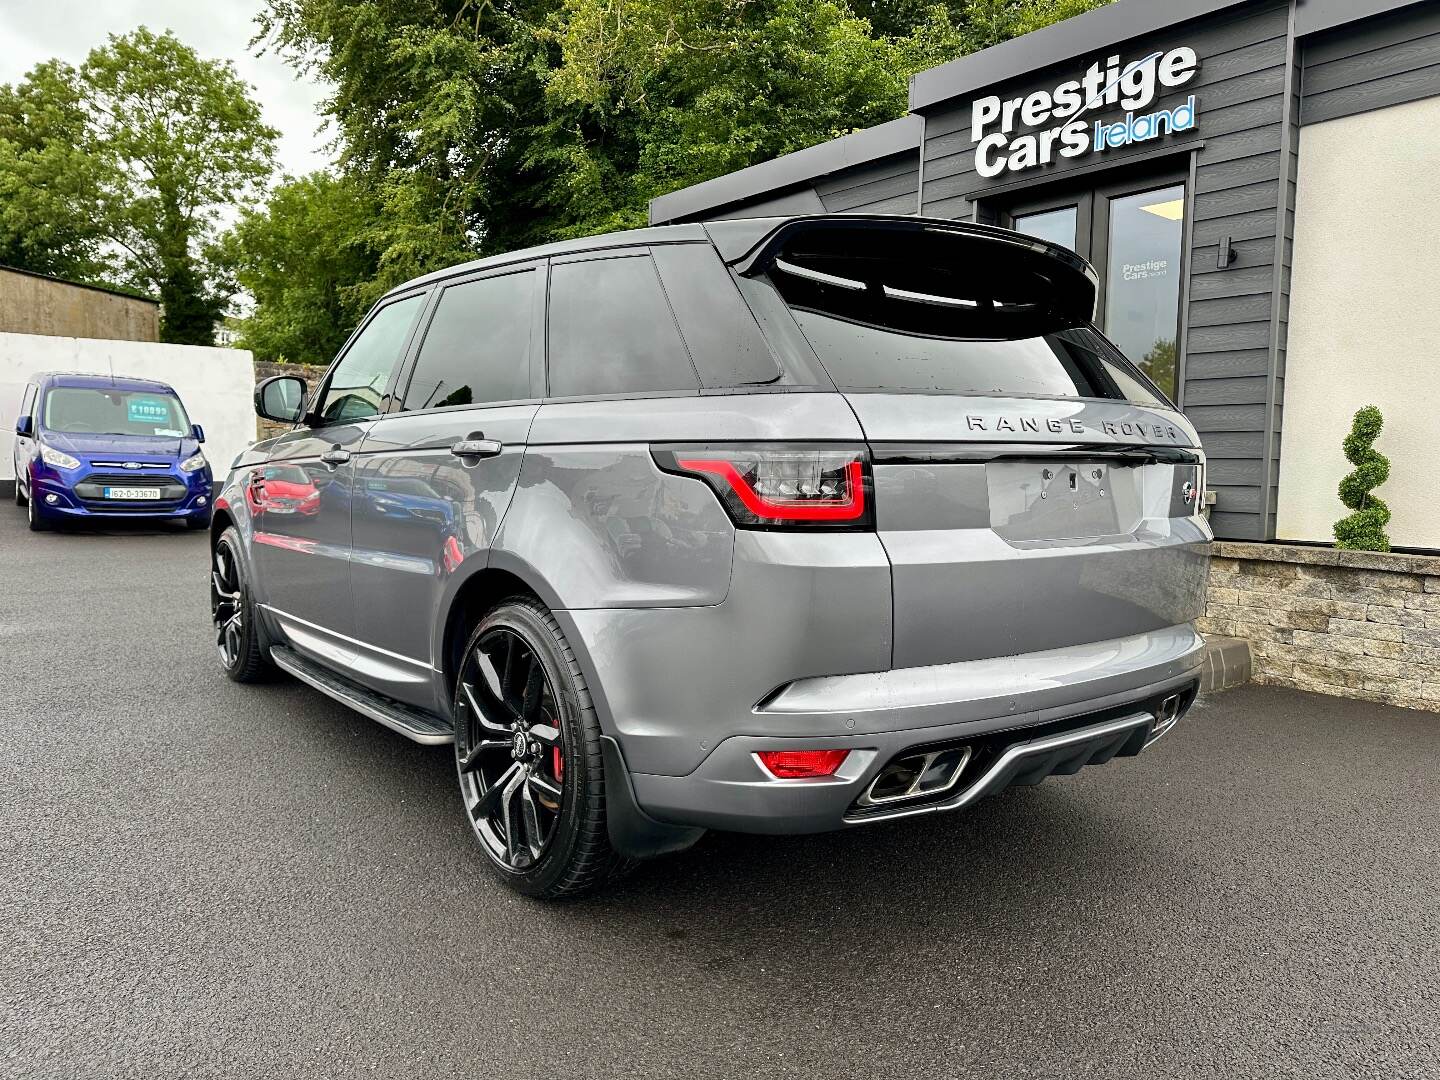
<point x="414" y="724"/>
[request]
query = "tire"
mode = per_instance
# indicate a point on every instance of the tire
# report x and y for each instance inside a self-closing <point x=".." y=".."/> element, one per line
<point x="33" y="518"/>
<point x="20" y="499"/>
<point x="239" y="638"/>
<point x="539" y="817"/>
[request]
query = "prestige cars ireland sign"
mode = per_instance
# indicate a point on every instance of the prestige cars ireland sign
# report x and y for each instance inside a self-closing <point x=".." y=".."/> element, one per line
<point x="1067" y="109"/>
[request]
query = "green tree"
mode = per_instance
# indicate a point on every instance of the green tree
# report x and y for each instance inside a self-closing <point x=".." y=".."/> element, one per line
<point x="1364" y="529"/>
<point x="304" y="258"/>
<point x="486" y="125"/>
<point x="680" y="91"/>
<point x="1159" y="364"/>
<point x="181" y="137"/>
<point x="49" y="181"/>
<point x="117" y="170"/>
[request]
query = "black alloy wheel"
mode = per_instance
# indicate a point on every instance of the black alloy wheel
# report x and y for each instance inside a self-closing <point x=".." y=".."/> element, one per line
<point x="528" y="755"/>
<point x="238" y="638"/>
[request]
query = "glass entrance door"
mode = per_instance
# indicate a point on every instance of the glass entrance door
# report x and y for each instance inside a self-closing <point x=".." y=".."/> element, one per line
<point x="1133" y="234"/>
<point x="1142" y="243"/>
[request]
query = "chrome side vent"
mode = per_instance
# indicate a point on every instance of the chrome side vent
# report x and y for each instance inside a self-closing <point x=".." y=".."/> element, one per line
<point x="918" y="775"/>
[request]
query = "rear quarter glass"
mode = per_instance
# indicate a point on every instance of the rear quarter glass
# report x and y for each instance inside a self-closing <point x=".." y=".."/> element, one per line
<point x="721" y="333"/>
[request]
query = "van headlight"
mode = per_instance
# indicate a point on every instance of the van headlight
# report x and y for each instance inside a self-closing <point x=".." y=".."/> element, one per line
<point x="59" y="460"/>
<point x="193" y="464"/>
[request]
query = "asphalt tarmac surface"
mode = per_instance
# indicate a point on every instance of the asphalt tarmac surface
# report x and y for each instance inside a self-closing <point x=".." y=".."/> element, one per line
<point x="201" y="879"/>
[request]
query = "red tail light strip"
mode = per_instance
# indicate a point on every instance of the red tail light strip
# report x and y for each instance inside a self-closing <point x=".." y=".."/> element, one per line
<point x="851" y="508"/>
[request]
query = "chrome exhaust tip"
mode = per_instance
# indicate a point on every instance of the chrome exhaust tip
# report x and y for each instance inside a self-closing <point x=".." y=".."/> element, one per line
<point x="1165" y="716"/>
<point x="917" y="775"/>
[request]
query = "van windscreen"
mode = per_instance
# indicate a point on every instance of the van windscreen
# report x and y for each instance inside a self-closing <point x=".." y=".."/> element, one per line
<point x="908" y="307"/>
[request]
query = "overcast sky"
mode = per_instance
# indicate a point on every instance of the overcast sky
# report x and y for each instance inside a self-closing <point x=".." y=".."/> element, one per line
<point x="36" y="30"/>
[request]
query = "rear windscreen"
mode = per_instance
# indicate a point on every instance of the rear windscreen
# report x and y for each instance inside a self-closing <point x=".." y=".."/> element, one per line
<point x="911" y="309"/>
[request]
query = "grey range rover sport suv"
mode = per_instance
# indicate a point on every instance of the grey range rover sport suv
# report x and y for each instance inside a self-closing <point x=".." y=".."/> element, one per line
<point x="774" y="525"/>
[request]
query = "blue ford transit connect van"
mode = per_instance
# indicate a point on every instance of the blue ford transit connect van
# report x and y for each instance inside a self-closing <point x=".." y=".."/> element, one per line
<point x="101" y="446"/>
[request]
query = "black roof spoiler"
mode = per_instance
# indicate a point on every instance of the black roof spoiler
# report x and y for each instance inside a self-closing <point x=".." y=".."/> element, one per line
<point x="745" y="243"/>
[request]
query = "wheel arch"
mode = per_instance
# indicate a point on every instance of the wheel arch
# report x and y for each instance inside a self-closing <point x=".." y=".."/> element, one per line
<point x="220" y="520"/>
<point x="479" y="593"/>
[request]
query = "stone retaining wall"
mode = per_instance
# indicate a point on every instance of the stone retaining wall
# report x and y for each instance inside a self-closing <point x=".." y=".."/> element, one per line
<point x="1354" y="623"/>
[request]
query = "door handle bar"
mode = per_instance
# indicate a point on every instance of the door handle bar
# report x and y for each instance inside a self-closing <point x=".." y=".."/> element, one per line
<point x="335" y="457"/>
<point x="477" y="448"/>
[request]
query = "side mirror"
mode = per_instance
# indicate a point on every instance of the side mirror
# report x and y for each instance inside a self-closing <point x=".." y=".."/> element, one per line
<point x="25" y="427"/>
<point x="198" y="432"/>
<point x="281" y="398"/>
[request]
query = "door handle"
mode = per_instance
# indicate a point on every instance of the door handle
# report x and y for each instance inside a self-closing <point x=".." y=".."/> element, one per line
<point x="335" y="457"/>
<point x="478" y="447"/>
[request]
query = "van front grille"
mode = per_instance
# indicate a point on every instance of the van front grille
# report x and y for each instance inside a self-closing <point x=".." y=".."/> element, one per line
<point x="91" y="491"/>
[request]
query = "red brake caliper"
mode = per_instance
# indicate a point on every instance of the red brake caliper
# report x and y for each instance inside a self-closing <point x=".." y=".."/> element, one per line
<point x="557" y="764"/>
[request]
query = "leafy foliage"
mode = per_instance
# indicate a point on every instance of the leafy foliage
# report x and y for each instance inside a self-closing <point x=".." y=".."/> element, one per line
<point x="1364" y="529"/>
<point x="1159" y="364"/>
<point x="49" y="183"/>
<point x="118" y="169"/>
<point x="481" y="126"/>
<point x="304" y="258"/>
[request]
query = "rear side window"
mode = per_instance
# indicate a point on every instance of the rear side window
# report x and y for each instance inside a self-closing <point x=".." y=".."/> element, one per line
<point x="921" y="309"/>
<point x="477" y="349"/>
<point x="611" y="331"/>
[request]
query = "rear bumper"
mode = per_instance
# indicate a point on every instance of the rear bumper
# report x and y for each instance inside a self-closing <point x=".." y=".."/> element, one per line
<point x="1024" y="702"/>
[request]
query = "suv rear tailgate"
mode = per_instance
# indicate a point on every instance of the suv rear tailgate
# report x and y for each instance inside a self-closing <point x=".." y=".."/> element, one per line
<point x="1017" y="525"/>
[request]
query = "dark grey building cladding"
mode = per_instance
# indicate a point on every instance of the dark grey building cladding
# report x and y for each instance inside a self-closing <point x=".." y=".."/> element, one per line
<point x="1232" y="320"/>
<point x="1387" y="61"/>
<point x="1264" y="68"/>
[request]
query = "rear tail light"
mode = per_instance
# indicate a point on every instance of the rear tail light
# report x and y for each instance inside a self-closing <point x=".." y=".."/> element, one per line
<point x="801" y="764"/>
<point x="782" y="487"/>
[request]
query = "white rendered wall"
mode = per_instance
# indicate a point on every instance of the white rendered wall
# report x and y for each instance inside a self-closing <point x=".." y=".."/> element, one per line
<point x="216" y="385"/>
<point x="1365" y="318"/>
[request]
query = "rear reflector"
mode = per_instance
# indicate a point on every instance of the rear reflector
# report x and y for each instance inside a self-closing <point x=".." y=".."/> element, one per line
<point x="780" y="487"/>
<point x="800" y="764"/>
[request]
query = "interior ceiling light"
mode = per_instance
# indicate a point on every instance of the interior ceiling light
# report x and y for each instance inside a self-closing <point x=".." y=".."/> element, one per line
<point x="1174" y="210"/>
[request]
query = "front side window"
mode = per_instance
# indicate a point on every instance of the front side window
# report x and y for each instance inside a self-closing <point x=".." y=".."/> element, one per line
<point x="97" y="411"/>
<point x="27" y="401"/>
<point x="612" y="332"/>
<point x="357" y="385"/>
<point x="477" y="349"/>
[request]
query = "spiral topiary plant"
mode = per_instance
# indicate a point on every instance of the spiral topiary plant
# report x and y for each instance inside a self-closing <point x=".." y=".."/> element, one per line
<point x="1364" y="530"/>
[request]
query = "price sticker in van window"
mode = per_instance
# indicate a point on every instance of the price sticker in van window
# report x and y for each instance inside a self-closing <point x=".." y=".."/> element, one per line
<point x="147" y="411"/>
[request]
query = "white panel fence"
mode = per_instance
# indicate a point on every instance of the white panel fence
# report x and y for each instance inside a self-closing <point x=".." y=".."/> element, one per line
<point x="216" y="385"/>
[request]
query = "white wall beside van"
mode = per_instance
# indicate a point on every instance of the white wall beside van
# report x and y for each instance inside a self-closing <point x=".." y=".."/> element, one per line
<point x="1365" y="318"/>
<point x="216" y="385"/>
